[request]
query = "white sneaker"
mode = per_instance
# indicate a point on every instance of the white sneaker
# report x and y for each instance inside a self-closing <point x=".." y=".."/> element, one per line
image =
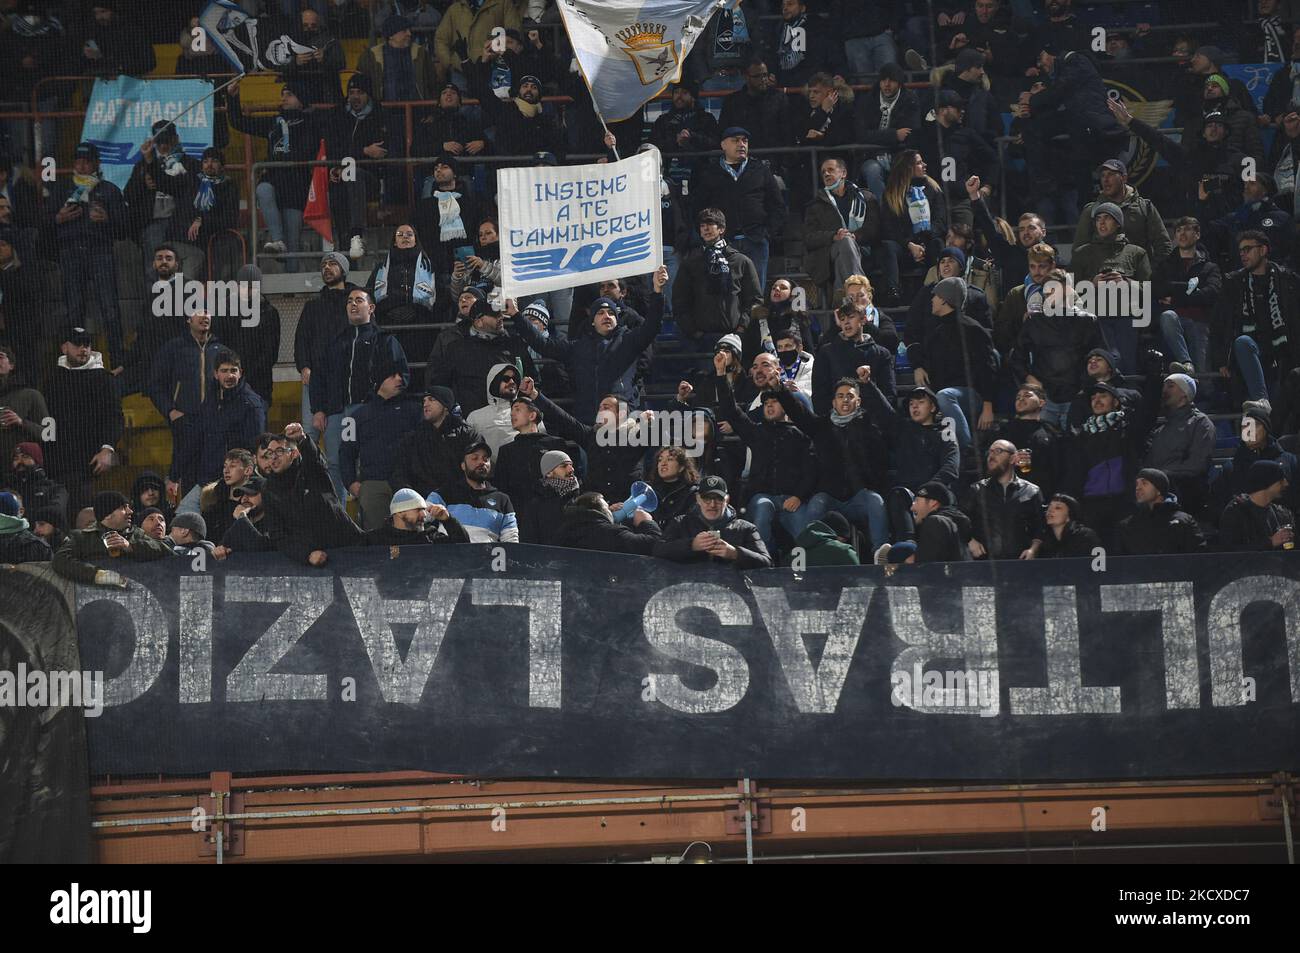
<point x="915" y="61"/>
<point x="356" y="248"/>
<point x="275" y="247"/>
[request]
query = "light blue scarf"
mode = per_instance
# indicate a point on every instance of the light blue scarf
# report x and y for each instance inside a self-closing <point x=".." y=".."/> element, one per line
<point x="422" y="289"/>
<point x="206" y="196"/>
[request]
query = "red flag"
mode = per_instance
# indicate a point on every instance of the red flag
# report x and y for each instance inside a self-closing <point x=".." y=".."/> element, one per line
<point x="317" y="212"/>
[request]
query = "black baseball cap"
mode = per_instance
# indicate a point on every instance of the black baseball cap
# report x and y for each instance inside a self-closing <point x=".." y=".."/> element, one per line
<point x="78" y="336"/>
<point x="713" y="486"/>
<point x="1101" y="387"/>
<point x="250" y="487"/>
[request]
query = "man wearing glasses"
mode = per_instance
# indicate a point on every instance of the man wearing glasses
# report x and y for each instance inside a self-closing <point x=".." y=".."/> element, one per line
<point x="1258" y="331"/>
<point x="1006" y="512"/>
<point x="303" y="516"/>
<point x="1187" y="287"/>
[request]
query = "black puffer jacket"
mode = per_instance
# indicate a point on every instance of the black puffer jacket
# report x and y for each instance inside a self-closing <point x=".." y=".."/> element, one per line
<point x="587" y="529"/>
<point x="430" y="456"/>
<point x="1159" y="530"/>
<point x="1006" y="518"/>
<point x="517" y="470"/>
<point x="679" y="534"/>
<point x="674" y="498"/>
<point x="542" y="517"/>
<point x="838" y="358"/>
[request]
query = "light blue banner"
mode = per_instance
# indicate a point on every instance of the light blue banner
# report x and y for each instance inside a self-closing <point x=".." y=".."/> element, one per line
<point x="122" y="111"/>
<point x="1256" y="76"/>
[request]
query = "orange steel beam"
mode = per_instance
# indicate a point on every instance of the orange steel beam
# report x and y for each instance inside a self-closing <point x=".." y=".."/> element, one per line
<point x="547" y="820"/>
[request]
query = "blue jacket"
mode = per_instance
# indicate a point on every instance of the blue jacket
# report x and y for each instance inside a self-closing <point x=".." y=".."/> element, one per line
<point x="356" y="361"/>
<point x="181" y="375"/>
<point x="599" y="365"/>
<point x="381" y="428"/>
<point x="230" y="419"/>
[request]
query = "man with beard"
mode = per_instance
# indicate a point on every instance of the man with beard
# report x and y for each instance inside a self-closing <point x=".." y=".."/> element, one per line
<point x="1183" y="446"/>
<point x="486" y="513"/>
<point x="430" y="456"/>
<point x="462" y="358"/>
<point x="542" y="515"/>
<point x="29" y="479"/>
<point x="1038" y="439"/>
<point x="686" y="126"/>
<point x="1142" y="222"/>
<point x="1006" y="512"/>
<point x="518" y="468"/>
<point x="89" y="417"/>
<point x="413" y="522"/>
<point x="110" y="535"/>
<point x="759" y="107"/>
<point x="354" y="130"/>
<point x="247" y="521"/>
<point x="711" y="530"/>
<point x="520" y="119"/>
<point x="589" y="524"/>
<point x="304" y="518"/>
<point x="22" y="409"/>
<point x="614" y="460"/>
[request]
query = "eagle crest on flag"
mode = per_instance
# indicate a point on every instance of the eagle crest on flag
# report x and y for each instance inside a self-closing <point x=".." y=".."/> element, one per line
<point x="653" y="58"/>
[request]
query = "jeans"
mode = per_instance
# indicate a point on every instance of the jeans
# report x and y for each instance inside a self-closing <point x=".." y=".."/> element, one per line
<point x="1122" y="338"/>
<point x="764" y="508"/>
<point x="94" y="264"/>
<point x="885" y="258"/>
<point x="864" y="508"/>
<point x="961" y="404"/>
<point x="1186" y="341"/>
<point x="559" y="303"/>
<point x="1055" y="413"/>
<point x="333" y="439"/>
<point x="846" y="260"/>
<point x="874" y="174"/>
<point x="866" y="54"/>
<point x="756" y="250"/>
<point x="1245" y="355"/>
<point x="672" y="262"/>
<point x="349" y="201"/>
<point x="284" y="225"/>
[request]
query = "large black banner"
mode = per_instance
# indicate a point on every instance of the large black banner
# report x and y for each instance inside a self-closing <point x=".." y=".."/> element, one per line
<point x="532" y="661"/>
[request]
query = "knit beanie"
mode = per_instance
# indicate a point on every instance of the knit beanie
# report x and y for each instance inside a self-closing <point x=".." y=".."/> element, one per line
<point x="952" y="291"/>
<point x="108" y="502"/>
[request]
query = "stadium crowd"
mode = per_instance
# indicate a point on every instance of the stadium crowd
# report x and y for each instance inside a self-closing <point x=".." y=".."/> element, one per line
<point x="876" y="363"/>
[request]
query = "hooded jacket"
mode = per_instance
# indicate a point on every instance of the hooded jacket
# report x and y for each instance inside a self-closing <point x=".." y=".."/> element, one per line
<point x="823" y="548"/>
<point x="151" y="480"/>
<point x="1160" y="529"/>
<point x="492" y="420"/>
<point x="302" y="512"/>
<point x="587" y="529"/>
<point x="1054" y="349"/>
<point x="38" y="491"/>
<point x="1116" y="254"/>
<point x="1006" y="518"/>
<point x="462" y="359"/>
<point x="18" y="544"/>
<point x="742" y="534"/>
<point x="231" y="419"/>
<point x="940" y="537"/>
<point x="429" y="458"/>
<point x="1142" y="224"/>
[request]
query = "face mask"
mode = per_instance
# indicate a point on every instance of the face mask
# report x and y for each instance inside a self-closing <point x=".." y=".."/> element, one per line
<point x="835" y="185"/>
<point x="787" y="358"/>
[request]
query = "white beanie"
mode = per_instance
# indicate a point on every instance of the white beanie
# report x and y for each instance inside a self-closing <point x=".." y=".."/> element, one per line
<point x="405" y="499"/>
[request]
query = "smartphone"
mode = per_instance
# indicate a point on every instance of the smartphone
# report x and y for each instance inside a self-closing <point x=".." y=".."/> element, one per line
<point x="463" y="252"/>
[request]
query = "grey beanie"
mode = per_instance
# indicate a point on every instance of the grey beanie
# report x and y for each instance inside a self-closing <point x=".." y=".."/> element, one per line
<point x="1111" y="209"/>
<point x="339" y="259"/>
<point x="193" y="522"/>
<point x="952" y="291"/>
<point x="552" y="459"/>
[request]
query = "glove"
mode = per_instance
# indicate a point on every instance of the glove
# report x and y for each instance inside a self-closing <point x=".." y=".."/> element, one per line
<point x="107" y="577"/>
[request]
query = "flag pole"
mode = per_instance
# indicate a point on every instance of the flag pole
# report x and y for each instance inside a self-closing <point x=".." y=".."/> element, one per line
<point x="172" y="121"/>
